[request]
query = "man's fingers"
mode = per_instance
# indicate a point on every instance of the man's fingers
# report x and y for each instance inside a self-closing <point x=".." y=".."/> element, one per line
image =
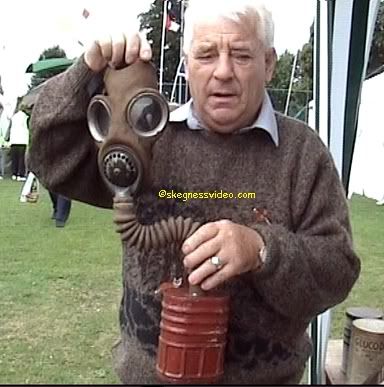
<point x="94" y="59"/>
<point x="118" y="47"/>
<point x="201" y="235"/>
<point x="203" y="271"/>
<point x="218" y="278"/>
<point x="202" y="252"/>
<point x="145" y="49"/>
<point x="132" y="48"/>
<point x="105" y="43"/>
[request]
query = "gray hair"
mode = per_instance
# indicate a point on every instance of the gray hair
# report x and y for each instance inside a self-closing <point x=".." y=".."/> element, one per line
<point x="253" y="10"/>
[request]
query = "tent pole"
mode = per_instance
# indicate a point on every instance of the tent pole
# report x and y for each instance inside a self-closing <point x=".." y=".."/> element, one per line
<point x="162" y="45"/>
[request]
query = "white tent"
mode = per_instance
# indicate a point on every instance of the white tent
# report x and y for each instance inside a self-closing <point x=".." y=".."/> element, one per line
<point x="367" y="174"/>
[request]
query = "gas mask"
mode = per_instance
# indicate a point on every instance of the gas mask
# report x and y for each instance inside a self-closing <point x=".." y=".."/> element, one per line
<point x="125" y="121"/>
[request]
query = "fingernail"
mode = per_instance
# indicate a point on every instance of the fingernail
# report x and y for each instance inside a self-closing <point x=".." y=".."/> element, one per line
<point x="145" y="54"/>
<point x="204" y="286"/>
<point x="129" y="59"/>
<point x="186" y="248"/>
<point x="192" y="280"/>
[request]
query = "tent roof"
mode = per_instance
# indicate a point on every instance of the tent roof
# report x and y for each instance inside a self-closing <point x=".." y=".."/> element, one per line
<point x="49" y="64"/>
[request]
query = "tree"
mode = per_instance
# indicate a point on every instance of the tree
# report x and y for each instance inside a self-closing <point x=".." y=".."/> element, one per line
<point x="302" y="86"/>
<point x="49" y="53"/>
<point x="152" y="21"/>
<point x="280" y="83"/>
<point x="303" y="82"/>
<point x="376" y="57"/>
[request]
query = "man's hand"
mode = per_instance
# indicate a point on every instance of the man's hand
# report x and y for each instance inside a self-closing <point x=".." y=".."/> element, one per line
<point x="117" y="50"/>
<point x="237" y="246"/>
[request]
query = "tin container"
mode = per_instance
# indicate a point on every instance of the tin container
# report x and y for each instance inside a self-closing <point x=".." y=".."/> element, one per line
<point x="366" y="355"/>
<point x="192" y="340"/>
<point x="352" y="314"/>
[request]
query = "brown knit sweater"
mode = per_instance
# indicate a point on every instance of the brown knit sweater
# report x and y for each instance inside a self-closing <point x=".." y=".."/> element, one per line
<point x="310" y="263"/>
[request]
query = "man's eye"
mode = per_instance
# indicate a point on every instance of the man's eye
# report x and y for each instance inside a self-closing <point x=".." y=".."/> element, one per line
<point x="242" y="57"/>
<point x="205" y="56"/>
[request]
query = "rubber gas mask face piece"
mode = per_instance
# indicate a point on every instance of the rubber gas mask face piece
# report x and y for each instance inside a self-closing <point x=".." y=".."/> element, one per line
<point x="125" y="122"/>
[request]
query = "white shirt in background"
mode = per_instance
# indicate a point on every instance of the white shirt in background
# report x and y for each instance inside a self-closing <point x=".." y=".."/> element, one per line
<point x="19" y="129"/>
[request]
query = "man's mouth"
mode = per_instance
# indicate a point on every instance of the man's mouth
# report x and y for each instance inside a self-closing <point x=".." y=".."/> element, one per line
<point x="223" y="98"/>
<point x="223" y="95"/>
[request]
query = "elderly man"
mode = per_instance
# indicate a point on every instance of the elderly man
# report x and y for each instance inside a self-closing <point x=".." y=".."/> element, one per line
<point x="282" y="264"/>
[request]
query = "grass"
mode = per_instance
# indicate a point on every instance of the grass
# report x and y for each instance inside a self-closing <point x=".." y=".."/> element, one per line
<point x="59" y="292"/>
<point x="368" y="230"/>
<point x="60" y="288"/>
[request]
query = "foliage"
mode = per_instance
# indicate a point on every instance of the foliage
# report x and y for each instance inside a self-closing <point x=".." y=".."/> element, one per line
<point x="278" y="88"/>
<point x="302" y="90"/>
<point x="376" y="58"/>
<point x="302" y="86"/>
<point x="152" y="21"/>
<point x="53" y="52"/>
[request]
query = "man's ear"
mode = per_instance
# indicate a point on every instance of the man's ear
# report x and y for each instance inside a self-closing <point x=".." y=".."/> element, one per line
<point x="270" y="63"/>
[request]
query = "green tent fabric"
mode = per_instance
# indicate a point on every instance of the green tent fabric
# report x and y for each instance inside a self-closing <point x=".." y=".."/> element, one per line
<point x="58" y="64"/>
<point x="349" y="26"/>
<point x="49" y="64"/>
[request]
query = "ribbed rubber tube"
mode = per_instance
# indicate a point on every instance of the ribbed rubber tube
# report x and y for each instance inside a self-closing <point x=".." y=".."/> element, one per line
<point x="149" y="236"/>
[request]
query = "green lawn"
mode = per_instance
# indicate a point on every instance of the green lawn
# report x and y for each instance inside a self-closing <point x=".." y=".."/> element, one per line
<point x="60" y="288"/>
<point x="368" y="232"/>
<point x="59" y="292"/>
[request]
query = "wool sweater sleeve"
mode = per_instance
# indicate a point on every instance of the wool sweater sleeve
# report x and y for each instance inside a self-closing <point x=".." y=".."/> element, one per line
<point x="313" y="266"/>
<point x="62" y="153"/>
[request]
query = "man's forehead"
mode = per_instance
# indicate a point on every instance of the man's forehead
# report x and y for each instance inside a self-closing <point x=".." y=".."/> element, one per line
<point x="218" y="40"/>
<point x="224" y="31"/>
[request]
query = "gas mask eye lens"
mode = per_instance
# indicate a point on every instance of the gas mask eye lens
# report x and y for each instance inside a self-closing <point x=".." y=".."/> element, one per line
<point x="99" y="119"/>
<point x="148" y="114"/>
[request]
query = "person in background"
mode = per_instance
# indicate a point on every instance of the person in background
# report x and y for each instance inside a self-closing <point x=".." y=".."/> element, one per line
<point x="4" y="124"/>
<point x="61" y="208"/>
<point x="279" y="272"/>
<point x="18" y="140"/>
<point x="4" y="135"/>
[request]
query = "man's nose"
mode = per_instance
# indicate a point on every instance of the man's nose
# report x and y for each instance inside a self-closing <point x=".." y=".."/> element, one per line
<point x="224" y="67"/>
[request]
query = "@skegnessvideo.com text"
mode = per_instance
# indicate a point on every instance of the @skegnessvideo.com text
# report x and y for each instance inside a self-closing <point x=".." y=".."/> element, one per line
<point x="216" y="194"/>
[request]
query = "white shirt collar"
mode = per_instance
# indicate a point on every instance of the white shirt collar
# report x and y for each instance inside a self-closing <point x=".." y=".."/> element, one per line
<point x="266" y="119"/>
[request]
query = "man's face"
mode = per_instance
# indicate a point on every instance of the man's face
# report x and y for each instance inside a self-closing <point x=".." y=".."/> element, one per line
<point x="227" y="69"/>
